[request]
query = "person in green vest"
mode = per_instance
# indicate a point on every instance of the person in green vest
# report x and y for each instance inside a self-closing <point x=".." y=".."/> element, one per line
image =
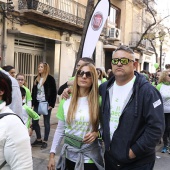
<point x="164" y="88"/>
<point x="28" y="113"/>
<point x="22" y="83"/>
<point x="101" y="78"/>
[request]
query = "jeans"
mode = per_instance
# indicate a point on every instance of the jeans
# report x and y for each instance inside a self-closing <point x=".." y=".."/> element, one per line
<point x="36" y="126"/>
<point x="109" y="165"/>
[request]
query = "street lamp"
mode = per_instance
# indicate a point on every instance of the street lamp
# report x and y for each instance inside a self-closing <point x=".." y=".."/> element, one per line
<point x="161" y="39"/>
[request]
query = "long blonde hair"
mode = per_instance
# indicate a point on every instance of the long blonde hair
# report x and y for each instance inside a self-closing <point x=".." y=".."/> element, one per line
<point x="93" y="99"/>
<point x="46" y="73"/>
<point x="163" y="75"/>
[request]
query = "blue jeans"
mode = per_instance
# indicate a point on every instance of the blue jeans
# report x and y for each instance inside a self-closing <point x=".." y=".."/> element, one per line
<point x="36" y="126"/>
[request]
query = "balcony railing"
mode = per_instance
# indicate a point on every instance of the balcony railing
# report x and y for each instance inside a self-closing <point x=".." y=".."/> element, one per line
<point x="64" y="10"/>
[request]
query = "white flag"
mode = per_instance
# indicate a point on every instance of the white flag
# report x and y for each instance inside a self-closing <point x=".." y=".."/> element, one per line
<point x="96" y="24"/>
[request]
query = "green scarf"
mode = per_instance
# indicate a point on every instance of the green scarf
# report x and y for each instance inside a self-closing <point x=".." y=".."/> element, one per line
<point x="1" y="101"/>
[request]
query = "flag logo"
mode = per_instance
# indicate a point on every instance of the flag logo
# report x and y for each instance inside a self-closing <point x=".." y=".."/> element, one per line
<point x="97" y="21"/>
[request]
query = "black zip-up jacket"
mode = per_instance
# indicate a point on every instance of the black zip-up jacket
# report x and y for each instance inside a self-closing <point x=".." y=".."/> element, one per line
<point x="50" y="91"/>
<point x="141" y="123"/>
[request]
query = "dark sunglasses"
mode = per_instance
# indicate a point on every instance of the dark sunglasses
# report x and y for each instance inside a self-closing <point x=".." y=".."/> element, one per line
<point x="81" y="73"/>
<point x="123" y="61"/>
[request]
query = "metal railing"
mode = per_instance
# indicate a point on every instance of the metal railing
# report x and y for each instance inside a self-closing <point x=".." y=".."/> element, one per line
<point x="66" y="10"/>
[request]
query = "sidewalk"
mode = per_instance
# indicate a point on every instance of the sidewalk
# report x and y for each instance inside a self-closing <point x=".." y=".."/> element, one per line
<point x="41" y="157"/>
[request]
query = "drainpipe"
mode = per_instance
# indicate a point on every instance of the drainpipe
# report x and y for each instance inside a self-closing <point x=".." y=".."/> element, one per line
<point x="4" y="41"/>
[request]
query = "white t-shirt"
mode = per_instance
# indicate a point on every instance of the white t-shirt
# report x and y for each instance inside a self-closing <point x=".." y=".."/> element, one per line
<point x="15" y="145"/>
<point x="165" y="93"/>
<point x="40" y="91"/>
<point x="119" y="98"/>
<point x="81" y="124"/>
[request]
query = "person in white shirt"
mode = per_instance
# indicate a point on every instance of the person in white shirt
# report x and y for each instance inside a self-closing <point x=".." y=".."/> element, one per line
<point x="15" y="147"/>
<point x="78" y="121"/>
<point x="16" y="104"/>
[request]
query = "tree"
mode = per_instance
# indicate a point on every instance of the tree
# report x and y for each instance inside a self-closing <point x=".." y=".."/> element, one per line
<point x="154" y="28"/>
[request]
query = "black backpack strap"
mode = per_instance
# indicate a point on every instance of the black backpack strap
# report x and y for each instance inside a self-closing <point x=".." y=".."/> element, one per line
<point x="3" y="164"/>
<point x="6" y="114"/>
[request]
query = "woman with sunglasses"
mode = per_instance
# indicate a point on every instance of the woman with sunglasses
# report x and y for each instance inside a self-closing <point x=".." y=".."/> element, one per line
<point x="164" y="88"/>
<point x="78" y="121"/>
<point x="15" y="150"/>
<point x="22" y="83"/>
<point x="44" y="89"/>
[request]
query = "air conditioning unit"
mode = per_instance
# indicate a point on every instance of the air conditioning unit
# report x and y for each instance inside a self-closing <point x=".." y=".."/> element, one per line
<point x="114" y="34"/>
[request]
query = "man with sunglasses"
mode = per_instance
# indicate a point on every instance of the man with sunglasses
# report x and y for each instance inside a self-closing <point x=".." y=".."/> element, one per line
<point x="132" y="117"/>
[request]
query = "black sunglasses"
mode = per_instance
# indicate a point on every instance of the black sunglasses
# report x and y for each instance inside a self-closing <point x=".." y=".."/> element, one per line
<point x="81" y="73"/>
<point x="123" y="61"/>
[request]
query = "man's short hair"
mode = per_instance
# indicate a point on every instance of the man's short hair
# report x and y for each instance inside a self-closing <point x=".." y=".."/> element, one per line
<point x="125" y="48"/>
<point x="6" y="86"/>
<point x="7" y="68"/>
<point x="87" y="60"/>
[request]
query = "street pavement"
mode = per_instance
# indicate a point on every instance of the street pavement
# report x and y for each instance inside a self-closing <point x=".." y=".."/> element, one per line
<point x="41" y="157"/>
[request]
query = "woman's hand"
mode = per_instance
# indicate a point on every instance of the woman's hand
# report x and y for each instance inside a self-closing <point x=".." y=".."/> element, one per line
<point x="51" y="162"/>
<point x="49" y="107"/>
<point x="90" y="137"/>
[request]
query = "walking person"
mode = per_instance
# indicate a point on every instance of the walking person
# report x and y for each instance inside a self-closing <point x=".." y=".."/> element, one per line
<point x="132" y="116"/>
<point x="164" y="88"/>
<point x="15" y="147"/>
<point x="44" y="89"/>
<point x="22" y="83"/>
<point x="78" y="121"/>
<point x="16" y="104"/>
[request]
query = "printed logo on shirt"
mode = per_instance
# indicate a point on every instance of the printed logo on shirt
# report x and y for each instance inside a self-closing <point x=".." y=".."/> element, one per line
<point x="157" y="103"/>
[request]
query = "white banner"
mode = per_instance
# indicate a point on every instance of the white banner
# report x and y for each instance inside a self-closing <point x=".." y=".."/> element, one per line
<point x="96" y="24"/>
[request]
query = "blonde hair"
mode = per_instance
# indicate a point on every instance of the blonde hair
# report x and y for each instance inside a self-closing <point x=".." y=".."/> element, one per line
<point x="93" y="99"/>
<point x="163" y="75"/>
<point x="46" y="73"/>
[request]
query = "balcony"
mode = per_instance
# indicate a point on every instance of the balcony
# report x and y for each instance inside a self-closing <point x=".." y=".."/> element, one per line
<point x="134" y="39"/>
<point x="149" y="48"/>
<point x="67" y="15"/>
<point x="139" y="3"/>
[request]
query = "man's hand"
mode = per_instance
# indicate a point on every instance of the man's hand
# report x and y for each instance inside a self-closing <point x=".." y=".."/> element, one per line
<point x="70" y="82"/>
<point x="90" y="137"/>
<point x="131" y="154"/>
<point x="65" y="95"/>
<point x="51" y="162"/>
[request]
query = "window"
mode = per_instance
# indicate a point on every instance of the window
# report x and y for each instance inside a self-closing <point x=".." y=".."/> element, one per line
<point x="114" y="17"/>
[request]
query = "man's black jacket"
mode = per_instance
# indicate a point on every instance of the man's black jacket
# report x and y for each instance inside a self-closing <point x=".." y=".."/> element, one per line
<point x="141" y="124"/>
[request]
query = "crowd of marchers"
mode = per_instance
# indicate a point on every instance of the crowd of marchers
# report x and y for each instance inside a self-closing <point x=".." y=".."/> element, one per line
<point x="109" y="121"/>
